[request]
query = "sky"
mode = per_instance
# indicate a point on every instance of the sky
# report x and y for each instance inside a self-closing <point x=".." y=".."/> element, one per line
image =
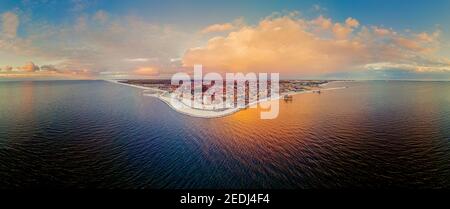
<point x="323" y="39"/>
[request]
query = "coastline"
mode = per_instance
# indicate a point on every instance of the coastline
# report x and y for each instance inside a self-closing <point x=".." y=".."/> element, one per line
<point x="199" y="113"/>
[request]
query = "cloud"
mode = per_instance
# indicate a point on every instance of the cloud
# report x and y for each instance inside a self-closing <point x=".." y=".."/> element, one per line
<point x="323" y="23"/>
<point x="218" y="28"/>
<point x="351" y="22"/>
<point x="318" y="8"/>
<point x="408" y="44"/>
<point x="6" y="69"/>
<point x="408" y="67"/>
<point x="146" y="71"/>
<point x="29" y="67"/>
<point x="138" y="73"/>
<point x="284" y="44"/>
<point x="31" y="70"/>
<point x="176" y="59"/>
<point x="299" y="46"/>
<point x="136" y="59"/>
<point x="10" y="23"/>
<point x="427" y="37"/>
<point x="100" y="42"/>
<point x="381" y="31"/>
<point x="341" y="31"/>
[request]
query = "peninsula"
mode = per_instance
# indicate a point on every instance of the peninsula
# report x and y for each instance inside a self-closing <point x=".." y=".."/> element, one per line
<point x="164" y="90"/>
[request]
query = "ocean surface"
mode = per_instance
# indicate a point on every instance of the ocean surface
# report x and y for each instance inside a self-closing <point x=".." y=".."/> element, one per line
<point x="96" y="134"/>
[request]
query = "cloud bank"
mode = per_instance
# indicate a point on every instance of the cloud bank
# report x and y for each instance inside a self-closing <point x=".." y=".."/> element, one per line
<point x="102" y="45"/>
<point x="96" y="43"/>
<point x="301" y="46"/>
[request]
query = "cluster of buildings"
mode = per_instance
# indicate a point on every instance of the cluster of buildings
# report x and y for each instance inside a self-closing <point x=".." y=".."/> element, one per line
<point x="239" y="96"/>
<point x="287" y="86"/>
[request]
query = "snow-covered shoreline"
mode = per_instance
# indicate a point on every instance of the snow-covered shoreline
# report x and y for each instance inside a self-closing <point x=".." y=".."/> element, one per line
<point x="194" y="112"/>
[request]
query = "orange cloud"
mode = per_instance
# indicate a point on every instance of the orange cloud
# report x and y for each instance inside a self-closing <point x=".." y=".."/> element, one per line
<point x="351" y="22"/>
<point x="281" y="44"/>
<point x="30" y="70"/>
<point x="218" y="28"/>
<point x="294" y="46"/>
<point x="381" y="31"/>
<point x="408" y="44"/>
<point x="146" y="71"/>
<point x="98" y="42"/>
<point x="29" y="67"/>
<point x="323" y="23"/>
<point x="48" y="74"/>
<point x="341" y="31"/>
<point x="427" y="37"/>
